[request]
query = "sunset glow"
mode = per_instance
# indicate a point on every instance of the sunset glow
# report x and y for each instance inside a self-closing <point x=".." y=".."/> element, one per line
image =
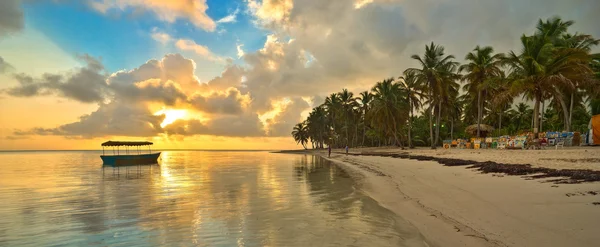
<point x="171" y="115"/>
<point x="212" y="73"/>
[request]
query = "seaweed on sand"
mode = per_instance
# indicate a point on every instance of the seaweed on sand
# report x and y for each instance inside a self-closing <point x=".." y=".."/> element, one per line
<point x="563" y="175"/>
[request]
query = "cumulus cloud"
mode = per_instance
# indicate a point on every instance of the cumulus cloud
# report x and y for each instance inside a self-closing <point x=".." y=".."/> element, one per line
<point x="318" y="47"/>
<point x="5" y="66"/>
<point x="282" y="123"/>
<point x="152" y="90"/>
<point x="231" y="77"/>
<point x="169" y="11"/>
<point x="173" y="67"/>
<point x="245" y="125"/>
<point x="271" y="11"/>
<point x="11" y="17"/>
<point x="353" y="44"/>
<point x="190" y="45"/>
<point x="169" y="81"/>
<point x="112" y="119"/>
<point x="86" y="84"/>
<point x="227" y="102"/>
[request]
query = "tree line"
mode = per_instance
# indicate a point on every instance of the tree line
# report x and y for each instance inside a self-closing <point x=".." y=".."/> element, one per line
<point x="554" y="68"/>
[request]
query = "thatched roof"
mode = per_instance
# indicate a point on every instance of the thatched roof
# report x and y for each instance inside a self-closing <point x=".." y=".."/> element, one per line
<point x="117" y="143"/>
<point x="472" y="129"/>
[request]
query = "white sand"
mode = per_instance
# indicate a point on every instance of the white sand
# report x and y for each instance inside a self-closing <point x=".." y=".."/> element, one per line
<point x="563" y="158"/>
<point x="454" y="206"/>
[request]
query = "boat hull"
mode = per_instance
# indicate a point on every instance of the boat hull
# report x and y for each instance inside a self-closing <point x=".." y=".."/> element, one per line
<point x="124" y="160"/>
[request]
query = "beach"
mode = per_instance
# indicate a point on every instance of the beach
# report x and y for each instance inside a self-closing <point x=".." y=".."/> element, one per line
<point x="455" y="206"/>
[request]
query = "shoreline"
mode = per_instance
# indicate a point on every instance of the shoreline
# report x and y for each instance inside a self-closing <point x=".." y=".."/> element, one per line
<point x="453" y="206"/>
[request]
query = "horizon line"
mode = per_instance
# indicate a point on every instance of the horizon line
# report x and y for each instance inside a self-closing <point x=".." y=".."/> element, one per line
<point x="158" y="149"/>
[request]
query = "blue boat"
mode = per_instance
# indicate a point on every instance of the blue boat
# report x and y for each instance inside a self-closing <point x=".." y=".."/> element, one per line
<point x="128" y="157"/>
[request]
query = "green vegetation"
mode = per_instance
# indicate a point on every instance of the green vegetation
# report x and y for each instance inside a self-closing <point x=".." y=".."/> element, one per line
<point x="554" y="70"/>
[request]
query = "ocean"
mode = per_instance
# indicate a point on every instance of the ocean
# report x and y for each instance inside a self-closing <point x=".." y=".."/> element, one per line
<point x="191" y="198"/>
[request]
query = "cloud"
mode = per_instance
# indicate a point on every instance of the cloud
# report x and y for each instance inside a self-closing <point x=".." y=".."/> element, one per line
<point x="190" y="45"/>
<point x="5" y="66"/>
<point x="336" y="45"/>
<point x="227" y="102"/>
<point x="152" y="90"/>
<point x="231" y="18"/>
<point x="11" y="17"/>
<point x="240" y="51"/>
<point x="169" y="11"/>
<point x="172" y="67"/>
<point x="112" y="119"/>
<point x="318" y="47"/>
<point x="282" y="123"/>
<point x="86" y="84"/>
<point x="231" y="77"/>
<point x="161" y="37"/>
<point x="245" y="125"/>
<point x="271" y="11"/>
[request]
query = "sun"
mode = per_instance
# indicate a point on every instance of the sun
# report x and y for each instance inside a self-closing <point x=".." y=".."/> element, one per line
<point x="171" y="115"/>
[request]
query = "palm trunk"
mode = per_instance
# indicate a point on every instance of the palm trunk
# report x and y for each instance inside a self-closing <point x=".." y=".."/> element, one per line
<point x="431" y="120"/>
<point x="500" y="125"/>
<point x="479" y="114"/>
<point x="565" y="114"/>
<point x="396" y="133"/>
<point x="570" y="113"/>
<point x="347" y="137"/>
<point x="542" y="116"/>
<point x="364" y="126"/>
<point x="431" y="127"/>
<point x="410" y="145"/>
<point x="532" y="118"/>
<point x="451" y="128"/>
<point x="355" y="134"/>
<point x="536" y="112"/>
<point x="437" y="123"/>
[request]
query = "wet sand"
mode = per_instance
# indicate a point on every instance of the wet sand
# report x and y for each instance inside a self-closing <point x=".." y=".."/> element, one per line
<point x="454" y="206"/>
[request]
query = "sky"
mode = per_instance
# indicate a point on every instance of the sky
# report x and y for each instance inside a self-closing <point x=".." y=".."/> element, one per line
<point x="224" y="74"/>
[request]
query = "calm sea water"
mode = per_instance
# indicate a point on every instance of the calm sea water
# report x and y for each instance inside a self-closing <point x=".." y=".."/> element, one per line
<point x="193" y="198"/>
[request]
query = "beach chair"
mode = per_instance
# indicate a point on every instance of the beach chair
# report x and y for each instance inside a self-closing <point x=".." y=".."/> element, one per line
<point x="501" y="145"/>
<point x="543" y="143"/>
<point x="560" y="144"/>
<point x="568" y="141"/>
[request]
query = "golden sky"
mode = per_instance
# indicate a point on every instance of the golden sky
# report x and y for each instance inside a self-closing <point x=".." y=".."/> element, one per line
<point x="223" y="74"/>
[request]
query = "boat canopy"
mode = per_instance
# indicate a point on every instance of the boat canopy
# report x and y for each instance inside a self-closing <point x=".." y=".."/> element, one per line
<point x="118" y="143"/>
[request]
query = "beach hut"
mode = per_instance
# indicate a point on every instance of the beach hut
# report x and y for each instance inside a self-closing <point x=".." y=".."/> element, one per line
<point x="594" y="131"/>
<point x="484" y="130"/>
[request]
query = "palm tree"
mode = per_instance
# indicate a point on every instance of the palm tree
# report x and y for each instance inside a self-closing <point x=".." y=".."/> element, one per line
<point x="316" y="124"/>
<point x="454" y="106"/>
<point x="347" y="100"/>
<point x="436" y="69"/>
<point x="386" y="107"/>
<point x="414" y="92"/>
<point x="543" y="68"/>
<point x="365" y="99"/>
<point x="300" y="134"/>
<point x="585" y="43"/>
<point x="482" y="67"/>
<point x="522" y="112"/>
<point x="333" y="106"/>
<point x="500" y="103"/>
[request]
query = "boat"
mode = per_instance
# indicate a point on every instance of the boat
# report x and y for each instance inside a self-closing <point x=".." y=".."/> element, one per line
<point x="127" y="156"/>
